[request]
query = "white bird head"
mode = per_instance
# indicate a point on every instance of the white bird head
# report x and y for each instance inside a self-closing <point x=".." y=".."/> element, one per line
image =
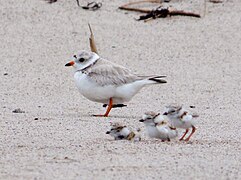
<point x="151" y="118"/>
<point x="118" y="131"/>
<point x="82" y="60"/>
<point x="172" y="110"/>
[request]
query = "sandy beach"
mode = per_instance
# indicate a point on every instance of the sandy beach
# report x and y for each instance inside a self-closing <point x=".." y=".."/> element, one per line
<point x="56" y="136"/>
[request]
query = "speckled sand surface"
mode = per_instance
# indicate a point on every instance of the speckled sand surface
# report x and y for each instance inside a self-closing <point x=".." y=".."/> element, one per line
<point x="56" y="137"/>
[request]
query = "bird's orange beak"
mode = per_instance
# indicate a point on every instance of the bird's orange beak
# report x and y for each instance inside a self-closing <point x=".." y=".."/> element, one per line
<point x="71" y="63"/>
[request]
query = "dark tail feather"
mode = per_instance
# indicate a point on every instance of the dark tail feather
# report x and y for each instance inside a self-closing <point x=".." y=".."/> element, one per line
<point x="157" y="79"/>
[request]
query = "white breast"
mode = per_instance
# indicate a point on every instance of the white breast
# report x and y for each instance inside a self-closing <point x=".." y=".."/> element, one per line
<point x="91" y="90"/>
<point x="102" y="94"/>
<point x="153" y="132"/>
<point x="184" y="123"/>
<point x="163" y="132"/>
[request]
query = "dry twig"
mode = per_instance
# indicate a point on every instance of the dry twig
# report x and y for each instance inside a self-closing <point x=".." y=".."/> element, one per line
<point x="216" y="1"/>
<point x="126" y="6"/>
<point x="158" y="12"/>
<point x="92" y="41"/>
<point x="78" y="2"/>
<point x="93" y="6"/>
<point x="51" y="1"/>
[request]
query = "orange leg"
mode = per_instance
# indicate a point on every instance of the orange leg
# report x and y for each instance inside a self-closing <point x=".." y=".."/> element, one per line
<point x="184" y="135"/>
<point x="193" y="131"/>
<point x="107" y="111"/>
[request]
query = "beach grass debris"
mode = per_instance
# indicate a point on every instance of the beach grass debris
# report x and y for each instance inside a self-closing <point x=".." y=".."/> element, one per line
<point x="92" y="41"/>
<point x="78" y="3"/>
<point x="18" y="110"/>
<point x="159" y="12"/>
<point x="51" y="1"/>
<point x="216" y="1"/>
<point x="93" y="6"/>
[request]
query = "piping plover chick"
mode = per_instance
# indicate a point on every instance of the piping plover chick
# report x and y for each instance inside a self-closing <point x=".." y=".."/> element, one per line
<point x="120" y="132"/>
<point x="103" y="81"/>
<point x="157" y="126"/>
<point x="180" y="118"/>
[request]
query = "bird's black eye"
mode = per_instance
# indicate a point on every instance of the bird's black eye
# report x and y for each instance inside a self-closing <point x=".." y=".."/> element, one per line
<point x="75" y="56"/>
<point x="148" y="118"/>
<point x="81" y="60"/>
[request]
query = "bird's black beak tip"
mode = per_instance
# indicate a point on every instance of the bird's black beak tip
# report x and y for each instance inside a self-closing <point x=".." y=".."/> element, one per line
<point x="71" y="63"/>
<point x="108" y="132"/>
<point x="141" y="120"/>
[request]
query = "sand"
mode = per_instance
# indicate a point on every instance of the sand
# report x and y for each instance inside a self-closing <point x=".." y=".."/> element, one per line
<point x="57" y="138"/>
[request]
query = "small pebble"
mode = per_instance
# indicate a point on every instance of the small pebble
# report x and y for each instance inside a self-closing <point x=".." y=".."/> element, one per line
<point x="18" y="111"/>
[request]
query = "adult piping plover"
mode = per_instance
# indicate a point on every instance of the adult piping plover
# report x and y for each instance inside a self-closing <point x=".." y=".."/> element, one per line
<point x="157" y="126"/>
<point x="180" y="118"/>
<point x="105" y="82"/>
<point x="120" y="132"/>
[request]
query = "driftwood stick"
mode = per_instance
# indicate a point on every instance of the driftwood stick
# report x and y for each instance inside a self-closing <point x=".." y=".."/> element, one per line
<point x="183" y="13"/>
<point x="51" y="1"/>
<point x="92" y="41"/>
<point x="78" y="2"/>
<point x="158" y="12"/>
<point x="170" y="13"/>
<point x="216" y="1"/>
<point x="144" y="1"/>
<point x="126" y="6"/>
<point x="135" y="9"/>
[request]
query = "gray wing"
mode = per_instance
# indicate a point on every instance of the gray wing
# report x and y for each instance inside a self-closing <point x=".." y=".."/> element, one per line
<point x="107" y="73"/>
